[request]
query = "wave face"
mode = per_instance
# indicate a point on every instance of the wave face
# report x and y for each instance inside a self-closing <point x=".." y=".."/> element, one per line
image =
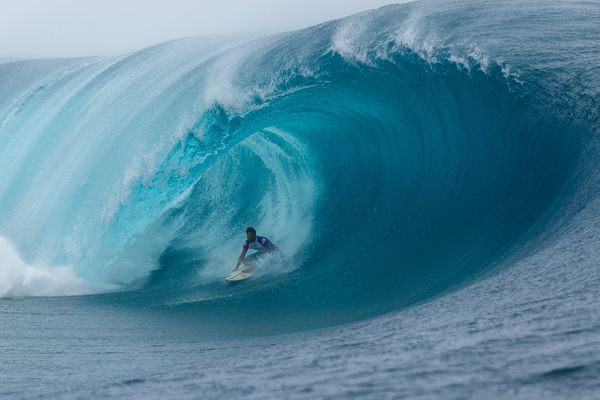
<point x="393" y="156"/>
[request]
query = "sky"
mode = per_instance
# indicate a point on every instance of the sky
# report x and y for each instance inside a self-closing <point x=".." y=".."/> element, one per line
<point x="71" y="28"/>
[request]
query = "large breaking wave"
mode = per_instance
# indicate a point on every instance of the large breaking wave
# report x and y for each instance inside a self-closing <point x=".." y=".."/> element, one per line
<point x="393" y="156"/>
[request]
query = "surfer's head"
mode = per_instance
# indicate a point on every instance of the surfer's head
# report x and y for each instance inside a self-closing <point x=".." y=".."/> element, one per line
<point x="251" y="234"/>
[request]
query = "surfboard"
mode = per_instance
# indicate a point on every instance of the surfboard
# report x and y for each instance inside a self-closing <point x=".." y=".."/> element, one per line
<point x="239" y="275"/>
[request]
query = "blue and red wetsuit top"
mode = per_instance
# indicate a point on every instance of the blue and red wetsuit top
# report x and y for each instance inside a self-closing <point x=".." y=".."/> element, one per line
<point x="261" y="243"/>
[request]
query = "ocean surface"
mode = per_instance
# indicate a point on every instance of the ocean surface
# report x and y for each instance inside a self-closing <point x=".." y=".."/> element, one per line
<point x="430" y="171"/>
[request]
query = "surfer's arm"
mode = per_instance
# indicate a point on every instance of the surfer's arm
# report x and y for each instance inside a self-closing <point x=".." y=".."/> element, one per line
<point x="242" y="257"/>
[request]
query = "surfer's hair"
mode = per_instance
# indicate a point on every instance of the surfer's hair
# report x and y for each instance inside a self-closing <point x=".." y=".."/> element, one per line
<point x="250" y="230"/>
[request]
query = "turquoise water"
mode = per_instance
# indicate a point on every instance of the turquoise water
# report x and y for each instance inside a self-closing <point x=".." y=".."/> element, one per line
<point x="428" y="169"/>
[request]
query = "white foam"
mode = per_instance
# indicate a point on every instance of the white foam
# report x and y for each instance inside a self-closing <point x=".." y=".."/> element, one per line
<point x="220" y="86"/>
<point x="414" y="37"/>
<point x="347" y="42"/>
<point x="19" y="279"/>
<point x="353" y="43"/>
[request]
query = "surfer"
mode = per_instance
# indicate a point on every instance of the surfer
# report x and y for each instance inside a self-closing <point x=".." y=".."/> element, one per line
<point x="261" y="244"/>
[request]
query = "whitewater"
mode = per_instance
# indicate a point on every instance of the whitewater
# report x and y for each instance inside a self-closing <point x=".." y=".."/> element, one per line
<point x="429" y="170"/>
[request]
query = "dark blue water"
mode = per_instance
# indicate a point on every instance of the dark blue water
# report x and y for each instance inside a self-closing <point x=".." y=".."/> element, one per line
<point x="428" y="169"/>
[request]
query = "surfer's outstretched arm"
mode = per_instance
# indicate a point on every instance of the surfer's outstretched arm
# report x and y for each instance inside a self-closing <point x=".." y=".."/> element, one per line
<point x="242" y="258"/>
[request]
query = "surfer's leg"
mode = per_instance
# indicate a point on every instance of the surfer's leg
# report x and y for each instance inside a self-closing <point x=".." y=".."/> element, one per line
<point x="250" y="261"/>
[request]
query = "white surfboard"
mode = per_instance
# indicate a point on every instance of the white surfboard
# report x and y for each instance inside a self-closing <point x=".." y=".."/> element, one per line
<point x="239" y="275"/>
